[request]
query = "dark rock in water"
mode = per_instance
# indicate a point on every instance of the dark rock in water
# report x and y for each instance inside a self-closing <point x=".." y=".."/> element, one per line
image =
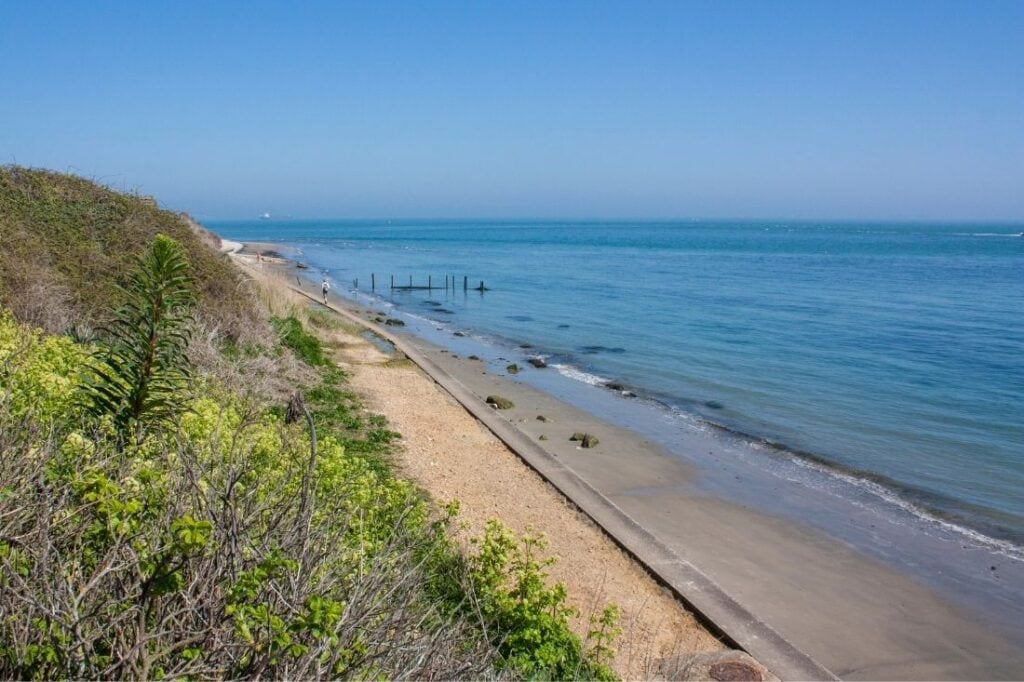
<point x="714" y="405"/>
<point x="378" y="319"/>
<point x="392" y="322"/>
<point x="520" y="318"/>
<point x="526" y="345"/>
<point x="474" y="357"/>
<point x="301" y="266"/>
<point x="563" y="326"/>
<point x="620" y="388"/>
<point x="433" y="303"/>
<point x="512" y="369"/>
<point x="459" y="334"/>
<point x="444" y="310"/>
<point x="499" y="403"/>
<point x="542" y="418"/>
<point x="538" y="363"/>
<point x="454" y="355"/>
<point x="594" y="350"/>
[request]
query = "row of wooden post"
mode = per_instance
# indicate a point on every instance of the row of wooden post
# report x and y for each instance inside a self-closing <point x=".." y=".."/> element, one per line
<point x="430" y="283"/>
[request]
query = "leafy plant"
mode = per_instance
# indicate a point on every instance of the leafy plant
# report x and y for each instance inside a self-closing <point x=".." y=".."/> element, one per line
<point x="136" y="377"/>
<point x="510" y="582"/>
<point x="306" y="346"/>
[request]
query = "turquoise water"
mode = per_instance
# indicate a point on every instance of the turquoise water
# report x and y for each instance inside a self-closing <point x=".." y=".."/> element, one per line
<point x="893" y="353"/>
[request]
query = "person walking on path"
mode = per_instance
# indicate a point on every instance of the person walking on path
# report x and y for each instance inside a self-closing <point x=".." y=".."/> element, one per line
<point x="325" y="286"/>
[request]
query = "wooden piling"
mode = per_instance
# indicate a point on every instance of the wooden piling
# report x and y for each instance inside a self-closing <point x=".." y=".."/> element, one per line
<point x="392" y="281"/>
<point x="430" y="283"/>
<point x="465" y="282"/>
<point x="373" y="282"/>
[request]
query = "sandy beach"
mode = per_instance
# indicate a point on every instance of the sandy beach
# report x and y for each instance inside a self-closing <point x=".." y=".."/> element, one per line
<point x="858" y="618"/>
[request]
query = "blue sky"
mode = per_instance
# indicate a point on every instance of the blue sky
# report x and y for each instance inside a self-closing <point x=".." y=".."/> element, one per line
<point x="906" y="110"/>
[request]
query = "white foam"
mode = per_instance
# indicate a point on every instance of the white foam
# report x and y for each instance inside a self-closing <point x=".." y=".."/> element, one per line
<point x="421" y="318"/>
<point x="1003" y="547"/>
<point x="576" y="374"/>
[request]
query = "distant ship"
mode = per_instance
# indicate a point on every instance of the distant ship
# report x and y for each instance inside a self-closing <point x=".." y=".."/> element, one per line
<point x="264" y="216"/>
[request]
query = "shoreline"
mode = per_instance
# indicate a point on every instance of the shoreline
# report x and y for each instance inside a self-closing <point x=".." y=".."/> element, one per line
<point x="867" y="620"/>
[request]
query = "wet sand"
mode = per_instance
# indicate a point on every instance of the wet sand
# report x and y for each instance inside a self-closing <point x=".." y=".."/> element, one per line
<point x="857" y="617"/>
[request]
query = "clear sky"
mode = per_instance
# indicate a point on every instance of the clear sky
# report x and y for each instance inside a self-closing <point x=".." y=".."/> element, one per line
<point x="856" y="109"/>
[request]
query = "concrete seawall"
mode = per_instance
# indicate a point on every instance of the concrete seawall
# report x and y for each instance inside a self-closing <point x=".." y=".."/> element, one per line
<point x="722" y="614"/>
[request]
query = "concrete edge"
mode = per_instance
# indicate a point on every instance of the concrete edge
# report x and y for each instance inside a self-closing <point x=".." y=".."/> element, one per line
<point x="709" y="602"/>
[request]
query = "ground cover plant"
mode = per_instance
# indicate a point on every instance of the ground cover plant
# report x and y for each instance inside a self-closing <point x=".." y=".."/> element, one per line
<point x="162" y="522"/>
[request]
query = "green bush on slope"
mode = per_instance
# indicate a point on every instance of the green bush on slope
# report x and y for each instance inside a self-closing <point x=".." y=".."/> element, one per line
<point x="215" y="546"/>
<point x="189" y="554"/>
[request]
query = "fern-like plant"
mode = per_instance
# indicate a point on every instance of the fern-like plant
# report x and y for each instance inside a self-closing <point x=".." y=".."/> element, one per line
<point x="137" y="376"/>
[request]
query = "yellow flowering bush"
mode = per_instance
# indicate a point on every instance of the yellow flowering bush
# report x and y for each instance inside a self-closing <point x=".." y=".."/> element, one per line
<point x="231" y="543"/>
<point x="39" y="374"/>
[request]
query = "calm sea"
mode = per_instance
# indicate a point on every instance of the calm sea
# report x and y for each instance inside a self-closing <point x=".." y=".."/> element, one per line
<point x="888" y="355"/>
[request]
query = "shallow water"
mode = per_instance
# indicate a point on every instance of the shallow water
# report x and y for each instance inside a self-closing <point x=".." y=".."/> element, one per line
<point x="894" y="351"/>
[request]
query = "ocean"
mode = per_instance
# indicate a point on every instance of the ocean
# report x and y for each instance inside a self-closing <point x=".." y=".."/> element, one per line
<point x="877" y="363"/>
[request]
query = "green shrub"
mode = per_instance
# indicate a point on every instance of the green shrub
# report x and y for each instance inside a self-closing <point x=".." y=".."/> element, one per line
<point x="217" y="547"/>
<point x="306" y="346"/>
<point x="510" y="582"/>
<point x="200" y="552"/>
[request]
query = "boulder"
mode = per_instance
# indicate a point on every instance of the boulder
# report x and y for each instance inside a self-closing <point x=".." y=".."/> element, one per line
<point x="499" y="403"/>
<point x="541" y="418"/>
<point x="538" y="363"/>
<point x="392" y="322"/>
<point x="512" y="369"/>
<point x="724" y="666"/>
<point x="586" y="440"/>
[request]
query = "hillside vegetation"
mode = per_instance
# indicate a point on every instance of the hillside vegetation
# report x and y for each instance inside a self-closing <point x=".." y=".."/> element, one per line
<point x="66" y="243"/>
<point x="182" y="501"/>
